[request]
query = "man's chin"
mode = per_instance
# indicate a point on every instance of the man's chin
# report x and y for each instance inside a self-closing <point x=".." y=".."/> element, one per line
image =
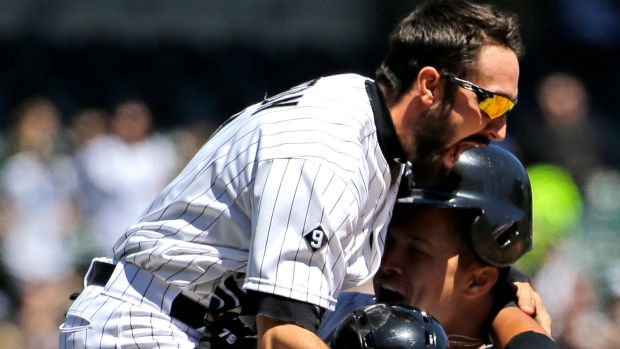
<point x="431" y="172"/>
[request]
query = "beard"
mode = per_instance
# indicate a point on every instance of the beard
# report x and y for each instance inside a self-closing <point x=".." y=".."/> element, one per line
<point x="432" y="134"/>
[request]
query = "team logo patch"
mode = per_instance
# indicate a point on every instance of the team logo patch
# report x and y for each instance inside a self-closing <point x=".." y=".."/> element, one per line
<point x="231" y="339"/>
<point x="316" y="238"/>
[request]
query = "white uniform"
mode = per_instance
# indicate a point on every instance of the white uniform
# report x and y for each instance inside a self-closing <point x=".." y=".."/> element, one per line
<point x="290" y="197"/>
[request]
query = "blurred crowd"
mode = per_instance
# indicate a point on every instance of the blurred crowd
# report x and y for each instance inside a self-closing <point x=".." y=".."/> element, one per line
<point x="72" y="178"/>
<point x="571" y="153"/>
<point x="70" y="185"/>
<point x="67" y="192"/>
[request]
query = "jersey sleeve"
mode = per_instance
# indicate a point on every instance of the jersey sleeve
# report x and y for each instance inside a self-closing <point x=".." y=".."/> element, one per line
<point x="531" y="339"/>
<point x="304" y="221"/>
<point x="289" y="310"/>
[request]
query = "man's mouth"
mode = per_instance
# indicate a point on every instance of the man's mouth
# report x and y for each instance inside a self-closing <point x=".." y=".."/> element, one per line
<point x="453" y="154"/>
<point x="389" y="295"/>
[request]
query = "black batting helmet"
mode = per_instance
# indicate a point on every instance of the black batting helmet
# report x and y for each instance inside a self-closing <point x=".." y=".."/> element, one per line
<point x="492" y="181"/>
<point x="386" y="326"/>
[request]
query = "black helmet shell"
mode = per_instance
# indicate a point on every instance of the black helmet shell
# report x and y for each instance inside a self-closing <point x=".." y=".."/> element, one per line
<point x="386" y="326"/>
<point x="494" y="182"/>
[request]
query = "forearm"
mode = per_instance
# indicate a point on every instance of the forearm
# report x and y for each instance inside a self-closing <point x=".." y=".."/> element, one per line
<point x="511" y="322"/>
<point x="276" y="334"/>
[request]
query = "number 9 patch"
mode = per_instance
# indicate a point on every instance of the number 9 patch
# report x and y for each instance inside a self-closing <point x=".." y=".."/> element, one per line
<point x="316" y="238"/>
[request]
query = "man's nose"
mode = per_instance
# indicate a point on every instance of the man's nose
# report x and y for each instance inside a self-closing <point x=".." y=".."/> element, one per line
<point x="496" y="129"/>
<point x="390" y="263"/>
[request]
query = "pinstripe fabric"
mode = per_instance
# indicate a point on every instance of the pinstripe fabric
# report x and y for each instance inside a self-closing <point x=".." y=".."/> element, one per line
<point x="306" y="159"/>
<point x="120" y="315"/>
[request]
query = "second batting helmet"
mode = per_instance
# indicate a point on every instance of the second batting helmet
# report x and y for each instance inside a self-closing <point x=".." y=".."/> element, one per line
<point x="386" y="326"/>
<point x="494" y="182"/>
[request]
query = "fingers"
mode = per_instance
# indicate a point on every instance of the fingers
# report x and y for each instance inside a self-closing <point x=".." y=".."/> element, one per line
<point x="532" y="304"/>
<point x="542" y="316"/>
<point x="525" y="298"/>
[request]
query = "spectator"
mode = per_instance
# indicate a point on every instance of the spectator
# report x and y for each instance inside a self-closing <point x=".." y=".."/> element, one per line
<point x="569" y="134"/>
<point x="121" y="173"/>
<point x="87" y="125"/>
<point x="38" y="214"/>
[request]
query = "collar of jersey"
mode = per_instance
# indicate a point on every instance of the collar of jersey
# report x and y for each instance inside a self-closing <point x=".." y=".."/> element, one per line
<point x="386" y="132"/>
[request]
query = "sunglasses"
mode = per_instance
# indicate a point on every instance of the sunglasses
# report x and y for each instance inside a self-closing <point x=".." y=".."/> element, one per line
<point x="493" y="104"/>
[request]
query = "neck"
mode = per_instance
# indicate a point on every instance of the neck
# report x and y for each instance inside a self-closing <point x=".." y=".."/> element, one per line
<point x="468" y="327"/>
<point x="465" y="342"/>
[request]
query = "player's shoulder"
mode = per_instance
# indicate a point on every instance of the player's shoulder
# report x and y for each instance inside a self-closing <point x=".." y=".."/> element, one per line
<point x="334" y="109"/>
<point x="346" y="91"/>
<point x="349" y="79"/>
<point x="341" y="99"/>
<point x="333" y="100"/>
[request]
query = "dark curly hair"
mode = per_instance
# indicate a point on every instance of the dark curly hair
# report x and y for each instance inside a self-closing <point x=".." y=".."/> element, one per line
<point x="447" y="35"/>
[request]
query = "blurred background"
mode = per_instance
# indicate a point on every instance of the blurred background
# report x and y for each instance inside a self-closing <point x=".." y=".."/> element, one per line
<point x="102" y="103"/>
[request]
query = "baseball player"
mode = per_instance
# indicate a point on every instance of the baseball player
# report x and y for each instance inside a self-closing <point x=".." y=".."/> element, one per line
<point x="288" y="202"/>
<point x="447" y="248"/>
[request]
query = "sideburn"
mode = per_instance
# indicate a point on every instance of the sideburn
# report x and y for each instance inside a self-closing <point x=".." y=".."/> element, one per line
<point x="432" y="133"/>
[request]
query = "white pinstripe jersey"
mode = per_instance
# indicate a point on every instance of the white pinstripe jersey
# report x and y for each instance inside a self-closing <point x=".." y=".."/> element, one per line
<point x="294" y="192"/>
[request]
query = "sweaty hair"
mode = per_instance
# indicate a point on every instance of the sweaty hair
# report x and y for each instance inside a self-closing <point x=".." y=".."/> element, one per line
<point x="447" y="35"/>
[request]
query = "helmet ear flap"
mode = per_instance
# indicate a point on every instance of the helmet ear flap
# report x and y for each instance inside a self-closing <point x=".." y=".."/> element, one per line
<point x="366" y="333"/>
<point x="353" y="335"/>
<point x="501" y="241"/>
<point x="434" y="333"/>
<point x="369" y="340"/>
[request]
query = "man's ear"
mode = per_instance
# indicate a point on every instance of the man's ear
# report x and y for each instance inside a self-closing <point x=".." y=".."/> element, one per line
<point x="481" y="281"/>
<point x="428" y="85"/>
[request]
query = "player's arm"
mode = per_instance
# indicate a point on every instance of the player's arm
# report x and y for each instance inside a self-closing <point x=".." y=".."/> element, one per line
<point x="513" y="329"/>
<point x="305" y="216"/>
<point x="296" y="264"/>
<point x="274" y="333"/>
<point x="282" y="322"/>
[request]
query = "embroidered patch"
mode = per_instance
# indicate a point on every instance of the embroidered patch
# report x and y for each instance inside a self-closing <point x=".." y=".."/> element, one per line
<point x="231" y="339"/>
<point x="316" y="238"/>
